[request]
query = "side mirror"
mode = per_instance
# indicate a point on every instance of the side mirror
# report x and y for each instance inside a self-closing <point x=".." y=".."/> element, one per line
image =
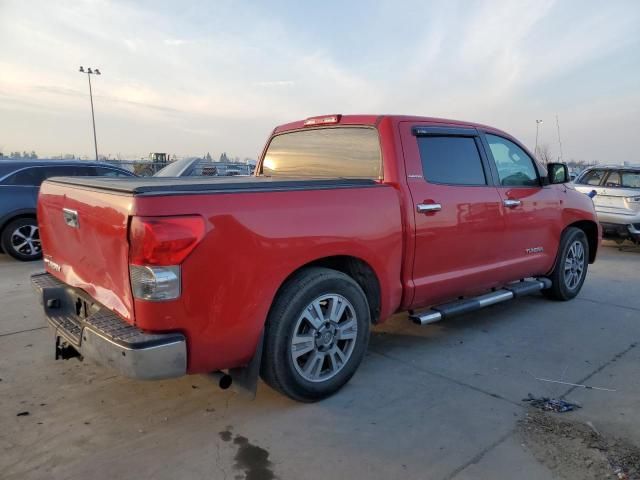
<point x="558" y="173"/>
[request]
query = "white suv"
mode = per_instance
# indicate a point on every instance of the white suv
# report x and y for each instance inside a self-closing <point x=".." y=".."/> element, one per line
<point x="617" y="201"/>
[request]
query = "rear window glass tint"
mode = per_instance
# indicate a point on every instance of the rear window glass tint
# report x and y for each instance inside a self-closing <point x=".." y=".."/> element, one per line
<point x="344" y="152"/>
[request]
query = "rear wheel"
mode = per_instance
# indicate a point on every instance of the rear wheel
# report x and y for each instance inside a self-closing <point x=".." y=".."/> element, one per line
<point x="21" y="239"/>
<point x="316" y="334"/>
<point x="570" y="270"/>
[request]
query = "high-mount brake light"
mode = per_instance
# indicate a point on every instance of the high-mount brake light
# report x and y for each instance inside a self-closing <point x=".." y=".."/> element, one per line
<point x="326" y="120"/>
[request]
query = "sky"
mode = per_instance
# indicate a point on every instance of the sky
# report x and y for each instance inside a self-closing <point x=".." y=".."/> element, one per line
<point x="192" y="77"/>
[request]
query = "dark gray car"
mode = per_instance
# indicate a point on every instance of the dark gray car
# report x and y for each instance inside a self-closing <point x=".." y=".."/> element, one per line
<point x="19" y="184"/>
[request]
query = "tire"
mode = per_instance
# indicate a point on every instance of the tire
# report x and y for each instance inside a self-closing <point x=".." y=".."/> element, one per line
<point x="310" y="349"/>
<point x="21" y="239"/>
<point x="571" y="266"/>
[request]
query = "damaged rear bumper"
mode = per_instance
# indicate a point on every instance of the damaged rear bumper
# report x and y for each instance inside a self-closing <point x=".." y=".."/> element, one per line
<point x="101" y="335"/>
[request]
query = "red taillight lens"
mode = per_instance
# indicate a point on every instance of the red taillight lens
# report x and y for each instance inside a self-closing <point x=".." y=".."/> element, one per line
<point x="163" y="240"/>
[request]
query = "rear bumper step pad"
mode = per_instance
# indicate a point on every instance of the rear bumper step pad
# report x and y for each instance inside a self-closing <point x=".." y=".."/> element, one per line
<point x="101" y="335"/>
<point x="448" y="310"/>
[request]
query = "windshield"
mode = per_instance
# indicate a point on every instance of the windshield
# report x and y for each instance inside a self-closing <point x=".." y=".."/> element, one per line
<point x="343" y="152"/>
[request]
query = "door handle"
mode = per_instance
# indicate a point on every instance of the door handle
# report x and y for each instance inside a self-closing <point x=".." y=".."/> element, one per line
<point x="511" y="203"/>
<point x="428" y="207"/>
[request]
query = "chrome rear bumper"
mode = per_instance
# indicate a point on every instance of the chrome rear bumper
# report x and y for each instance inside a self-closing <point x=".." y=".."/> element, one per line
<point x="100" y="335"/>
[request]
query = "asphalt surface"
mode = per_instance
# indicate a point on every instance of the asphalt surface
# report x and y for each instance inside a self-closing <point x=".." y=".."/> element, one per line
<point x="434" y="402"/>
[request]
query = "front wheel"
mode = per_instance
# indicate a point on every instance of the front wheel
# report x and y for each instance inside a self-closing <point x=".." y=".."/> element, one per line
<point x="21" y="239"/>
<point x="570" y="270"/>
<point x="316" y="334"/>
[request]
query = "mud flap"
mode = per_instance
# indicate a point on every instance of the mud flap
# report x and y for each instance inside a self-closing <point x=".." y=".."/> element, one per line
<point x="245" y="379"/>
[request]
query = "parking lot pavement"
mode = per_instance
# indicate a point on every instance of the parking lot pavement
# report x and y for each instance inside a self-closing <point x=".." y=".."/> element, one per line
<point x="441" y="401"/>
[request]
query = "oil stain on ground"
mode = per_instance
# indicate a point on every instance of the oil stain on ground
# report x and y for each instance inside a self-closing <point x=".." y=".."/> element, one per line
<point x="251" y="459"/>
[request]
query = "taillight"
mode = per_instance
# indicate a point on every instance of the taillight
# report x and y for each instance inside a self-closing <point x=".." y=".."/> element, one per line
<point x="157" y="247"/>
<point x="155" y="283"/>
<point x="163" y="240"/>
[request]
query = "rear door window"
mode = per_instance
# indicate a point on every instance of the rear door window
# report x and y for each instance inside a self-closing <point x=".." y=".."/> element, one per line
<point x="613" y="180"/>
<point x="631" y="179"/>
<point x="69" y="171"/>
<point x="110" y="172"/>
<point x="451" y="160"/>
<point x="33" y="176"/>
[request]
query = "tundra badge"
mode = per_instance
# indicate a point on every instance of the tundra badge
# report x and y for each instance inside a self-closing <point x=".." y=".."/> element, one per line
<point x="52" y="265"/>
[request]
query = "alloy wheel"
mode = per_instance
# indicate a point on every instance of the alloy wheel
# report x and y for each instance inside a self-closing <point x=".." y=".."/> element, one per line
<point x="26" y="240"/>
<point x="574" y="265"/>
<point x="324" y="338"/>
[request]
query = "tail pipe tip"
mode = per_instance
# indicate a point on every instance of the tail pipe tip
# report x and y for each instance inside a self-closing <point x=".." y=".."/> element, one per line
<point x="223" y="380"/>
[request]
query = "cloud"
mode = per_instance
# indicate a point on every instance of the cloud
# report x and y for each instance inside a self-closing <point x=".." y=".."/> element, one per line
<point x="219" y="75"/>
<point x="175" y="42"/>
<point x="275" y="83"/>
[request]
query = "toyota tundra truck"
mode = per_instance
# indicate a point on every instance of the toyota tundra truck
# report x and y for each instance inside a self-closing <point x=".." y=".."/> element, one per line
<point x="347" y="220"/>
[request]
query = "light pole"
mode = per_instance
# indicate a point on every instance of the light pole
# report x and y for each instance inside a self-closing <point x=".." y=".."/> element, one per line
<point x="559" y="140"/>
<point x="90" y="72"/>
<point x="538" y="122"/>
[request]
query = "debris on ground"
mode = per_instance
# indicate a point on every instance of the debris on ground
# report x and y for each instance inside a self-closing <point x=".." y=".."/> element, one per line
<point x="22" y="414"/>
<point x="551" y="404"/>
<point x="575" y="450"/>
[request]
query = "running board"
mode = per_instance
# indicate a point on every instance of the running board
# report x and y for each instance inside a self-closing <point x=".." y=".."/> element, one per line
<point x="511" y="290"/>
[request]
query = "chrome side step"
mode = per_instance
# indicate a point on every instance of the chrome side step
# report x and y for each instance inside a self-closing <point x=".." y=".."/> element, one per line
<point x="511" y="290"/>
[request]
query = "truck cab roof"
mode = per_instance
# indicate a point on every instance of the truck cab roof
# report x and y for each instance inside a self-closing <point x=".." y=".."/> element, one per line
<point x="373" y="120"/>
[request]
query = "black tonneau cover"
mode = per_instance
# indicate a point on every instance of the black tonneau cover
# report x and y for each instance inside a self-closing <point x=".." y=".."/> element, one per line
<point x="193" y="185"/>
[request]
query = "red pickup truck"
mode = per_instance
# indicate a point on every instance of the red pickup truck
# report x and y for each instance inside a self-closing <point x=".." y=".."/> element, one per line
<point x="347" y="220"/>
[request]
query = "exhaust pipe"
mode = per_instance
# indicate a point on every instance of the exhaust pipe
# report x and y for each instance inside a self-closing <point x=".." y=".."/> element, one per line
<point x="223" y="380"/>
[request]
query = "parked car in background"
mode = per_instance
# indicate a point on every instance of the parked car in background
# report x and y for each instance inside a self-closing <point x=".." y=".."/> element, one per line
<point x="187" y="167"/>
<point x="617" y="201"/>
<point x="199" y="167"/>
<point x="19" y="184"/>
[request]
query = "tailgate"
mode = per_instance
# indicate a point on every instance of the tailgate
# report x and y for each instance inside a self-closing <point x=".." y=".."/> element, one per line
<point x="90" y="253"/>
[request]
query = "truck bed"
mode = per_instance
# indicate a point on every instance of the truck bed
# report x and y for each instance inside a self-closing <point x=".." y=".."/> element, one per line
<point x="258" y="231"/>
<point x="200" y="185"/>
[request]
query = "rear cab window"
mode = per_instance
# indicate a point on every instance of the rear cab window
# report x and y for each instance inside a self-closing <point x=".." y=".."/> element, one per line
<point x="339" y="152"/>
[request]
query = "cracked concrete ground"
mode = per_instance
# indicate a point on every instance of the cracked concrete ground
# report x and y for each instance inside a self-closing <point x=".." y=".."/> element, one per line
<point x="435" y="402"/>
